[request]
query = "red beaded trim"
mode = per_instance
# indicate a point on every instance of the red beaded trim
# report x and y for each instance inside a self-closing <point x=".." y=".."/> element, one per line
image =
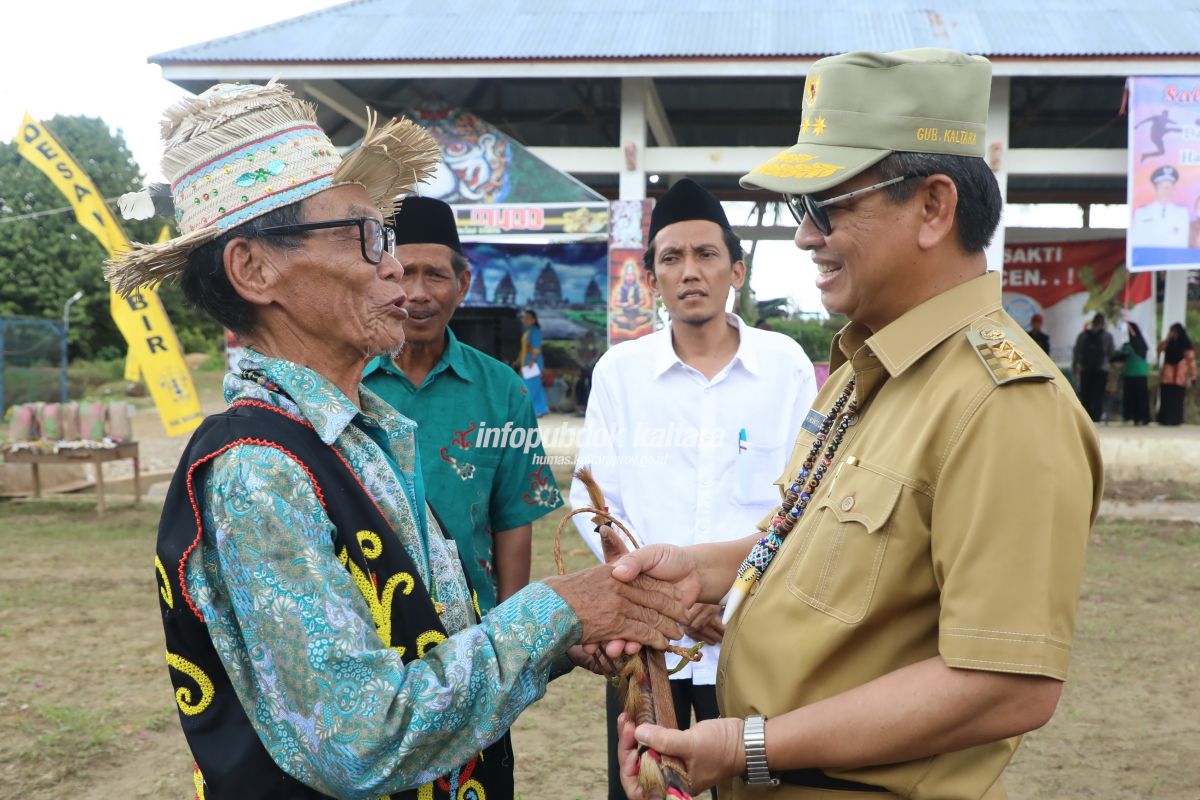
<point x="276" y="409"/>
<point x="191" y="488"/>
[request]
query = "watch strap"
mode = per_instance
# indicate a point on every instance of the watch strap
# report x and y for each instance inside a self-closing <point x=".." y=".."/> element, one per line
<point x="754" y="740"/>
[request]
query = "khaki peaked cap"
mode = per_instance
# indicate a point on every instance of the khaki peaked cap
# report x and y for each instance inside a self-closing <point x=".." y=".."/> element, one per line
<point x="859" y="107"/>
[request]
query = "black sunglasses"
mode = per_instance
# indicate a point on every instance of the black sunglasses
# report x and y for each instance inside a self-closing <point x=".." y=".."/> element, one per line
<point x="374" y="236"/>
<point x="802" y="204"/>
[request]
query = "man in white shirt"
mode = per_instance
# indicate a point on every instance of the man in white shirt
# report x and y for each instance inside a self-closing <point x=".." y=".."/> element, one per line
<point x="688" y="428"/>
<point x="1161" y="223"/>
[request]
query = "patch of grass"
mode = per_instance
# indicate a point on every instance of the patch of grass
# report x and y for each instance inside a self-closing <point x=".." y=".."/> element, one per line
<point x="71" y="731"/>
<point x="1152" y="491"/>
<point x="86" y="705"/>
<point x="1119" y="731"/>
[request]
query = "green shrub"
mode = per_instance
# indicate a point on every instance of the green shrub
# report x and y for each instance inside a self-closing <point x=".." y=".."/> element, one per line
<point x="815" y="335"/>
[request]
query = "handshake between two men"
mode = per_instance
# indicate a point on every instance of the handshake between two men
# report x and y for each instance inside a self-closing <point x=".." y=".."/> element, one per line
<point x="649" y="596"/>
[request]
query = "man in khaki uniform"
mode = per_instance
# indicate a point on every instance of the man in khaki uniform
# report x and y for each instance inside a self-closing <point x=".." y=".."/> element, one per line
<point x="918" y="617"/>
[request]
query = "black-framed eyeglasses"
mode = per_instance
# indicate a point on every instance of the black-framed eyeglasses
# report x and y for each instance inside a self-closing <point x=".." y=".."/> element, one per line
<point x="374" y="236"/>
<point x="802" y="204"/>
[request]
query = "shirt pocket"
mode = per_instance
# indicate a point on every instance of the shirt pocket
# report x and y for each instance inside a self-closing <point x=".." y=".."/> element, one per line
<point x="755" y="471"/>
<point x="842" y="557"/>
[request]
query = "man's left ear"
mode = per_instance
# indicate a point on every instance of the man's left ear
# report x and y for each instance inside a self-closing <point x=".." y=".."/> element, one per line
<point x="938" y="206"/>
<point x="739" y="274"/>
<point x="464" y="285"/>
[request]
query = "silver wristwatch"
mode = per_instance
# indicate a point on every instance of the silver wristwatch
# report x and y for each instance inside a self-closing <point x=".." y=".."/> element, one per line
<point x="754" y="739"/>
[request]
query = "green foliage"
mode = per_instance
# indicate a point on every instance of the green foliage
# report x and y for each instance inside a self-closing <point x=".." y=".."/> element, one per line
<point x="31" y="384"/>
<point x="814" y="335"/>
<point x="44" y="260"/>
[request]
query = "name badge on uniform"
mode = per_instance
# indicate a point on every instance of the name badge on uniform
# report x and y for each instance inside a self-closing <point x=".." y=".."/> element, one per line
<point x="813" y="422"/>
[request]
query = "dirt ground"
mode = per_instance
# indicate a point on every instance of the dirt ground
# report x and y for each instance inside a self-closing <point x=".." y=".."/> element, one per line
<point x="86" y="708"/>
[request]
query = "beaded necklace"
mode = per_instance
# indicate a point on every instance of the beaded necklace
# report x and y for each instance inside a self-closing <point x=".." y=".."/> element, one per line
<point x="795" y="499"/>
<point x="256" y="376"/>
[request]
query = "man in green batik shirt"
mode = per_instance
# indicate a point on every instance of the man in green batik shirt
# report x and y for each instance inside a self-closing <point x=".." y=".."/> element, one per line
<point x="473" y="415"/>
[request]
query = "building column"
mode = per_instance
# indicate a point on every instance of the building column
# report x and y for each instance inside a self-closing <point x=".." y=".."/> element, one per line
<point x="997" y="158"/>
<point x="1174" y="301"/>
<point x="633" y="139"/>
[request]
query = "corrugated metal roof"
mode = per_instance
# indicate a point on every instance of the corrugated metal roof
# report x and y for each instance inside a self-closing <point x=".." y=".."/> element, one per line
<point x="491" y="30"/>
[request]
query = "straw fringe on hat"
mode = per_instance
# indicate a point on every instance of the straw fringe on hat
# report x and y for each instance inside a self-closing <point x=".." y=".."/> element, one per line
<point x="235" y="153"/>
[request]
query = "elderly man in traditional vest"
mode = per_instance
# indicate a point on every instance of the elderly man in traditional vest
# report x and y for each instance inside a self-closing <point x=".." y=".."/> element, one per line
<point x="320" y="633"/>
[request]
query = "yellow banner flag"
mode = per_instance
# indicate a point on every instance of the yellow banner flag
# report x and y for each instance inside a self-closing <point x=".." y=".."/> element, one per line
<point x="133" y="373"/>
<point x="153" y="346"/>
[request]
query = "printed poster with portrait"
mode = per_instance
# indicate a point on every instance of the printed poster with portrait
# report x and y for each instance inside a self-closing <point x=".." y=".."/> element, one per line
<point x="1068" y="283"/>
<point x="1164" y="174"/>
<point x="630" y="301"/>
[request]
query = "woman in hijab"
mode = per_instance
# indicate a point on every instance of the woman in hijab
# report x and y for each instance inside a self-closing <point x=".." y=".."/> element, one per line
<point x="1135" y="403"/>
<point x="1178" y="373"/>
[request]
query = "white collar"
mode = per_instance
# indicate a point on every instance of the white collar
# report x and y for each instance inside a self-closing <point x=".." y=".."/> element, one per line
<point x="665" y="356"/>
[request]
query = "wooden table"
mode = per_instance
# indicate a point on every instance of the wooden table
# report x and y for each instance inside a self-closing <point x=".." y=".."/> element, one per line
<point x="97" y="456"/>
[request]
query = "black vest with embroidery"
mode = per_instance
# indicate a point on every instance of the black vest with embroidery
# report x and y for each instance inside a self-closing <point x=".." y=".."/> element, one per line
<point x="231" y="761"/>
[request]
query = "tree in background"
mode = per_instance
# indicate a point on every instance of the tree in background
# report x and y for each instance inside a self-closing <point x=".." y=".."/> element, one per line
<point x="44" y="260"/>
<point x="813" y="333"/>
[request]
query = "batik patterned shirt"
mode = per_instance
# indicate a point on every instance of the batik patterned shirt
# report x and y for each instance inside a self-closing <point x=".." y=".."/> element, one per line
<point x="481" y="451"/>
<point x="333" y="705"/>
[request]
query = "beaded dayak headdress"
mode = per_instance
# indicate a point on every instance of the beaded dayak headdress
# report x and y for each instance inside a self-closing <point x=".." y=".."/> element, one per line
<point x="236" y="152"/>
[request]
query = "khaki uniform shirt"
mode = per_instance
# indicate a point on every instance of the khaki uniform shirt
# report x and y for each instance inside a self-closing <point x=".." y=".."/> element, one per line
<point x="959" y="531"/>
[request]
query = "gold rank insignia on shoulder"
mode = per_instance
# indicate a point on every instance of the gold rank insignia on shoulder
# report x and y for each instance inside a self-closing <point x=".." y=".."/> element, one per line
<point x="1004" y="361"/>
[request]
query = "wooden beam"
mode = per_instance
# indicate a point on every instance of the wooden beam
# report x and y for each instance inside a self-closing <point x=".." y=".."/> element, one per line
<point x="656" y="117"/>
<point x="1068" y="161"/>
<point x="740" y="160"/>
<point x="996" y="139"/>
<point x="332" y="95"/>
<point x="765" y="233"/>
<point x="633" y="139"/>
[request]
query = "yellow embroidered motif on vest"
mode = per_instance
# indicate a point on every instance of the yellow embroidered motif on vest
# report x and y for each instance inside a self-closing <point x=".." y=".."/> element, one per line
<point x="427" y="640"/>
<point x="370" y="543"/>
<point x="472" y="785"/>
<point x="198" y="781"/>
<point x="1004" y="362"/>
<point x="379" y="605"/>
<point x="183" y="695"/>
<point x="165" y="588"/>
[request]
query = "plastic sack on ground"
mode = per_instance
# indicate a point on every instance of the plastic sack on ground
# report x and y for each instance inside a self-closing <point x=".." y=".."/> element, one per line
<point x="120" y="422"/>
<point x="23" y="426"/>
<point x="69" y="415"/>
<point x="91" y="421"/>
<point x="52" y="422"/>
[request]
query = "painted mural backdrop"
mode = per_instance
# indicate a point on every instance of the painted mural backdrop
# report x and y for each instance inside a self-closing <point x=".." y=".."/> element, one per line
<point x="1164" y="174"/>
<point x="563" y="282"/>
<point x="1068" y="283"/>
<point x="630" y="302"/>
<point x="481" y="164"/>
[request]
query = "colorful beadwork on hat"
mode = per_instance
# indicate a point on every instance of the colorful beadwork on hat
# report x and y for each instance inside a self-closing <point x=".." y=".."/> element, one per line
<point x="270" y="171"/>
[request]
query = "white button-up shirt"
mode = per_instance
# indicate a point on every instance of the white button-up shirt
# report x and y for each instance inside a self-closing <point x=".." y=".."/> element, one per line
<point x="1158" y="225"/>
<point x="687" y="460"/>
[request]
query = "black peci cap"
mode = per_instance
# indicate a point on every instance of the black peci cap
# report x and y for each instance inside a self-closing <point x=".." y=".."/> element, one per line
<point x="686" y="200"/>
<point x="426" y="220"/>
